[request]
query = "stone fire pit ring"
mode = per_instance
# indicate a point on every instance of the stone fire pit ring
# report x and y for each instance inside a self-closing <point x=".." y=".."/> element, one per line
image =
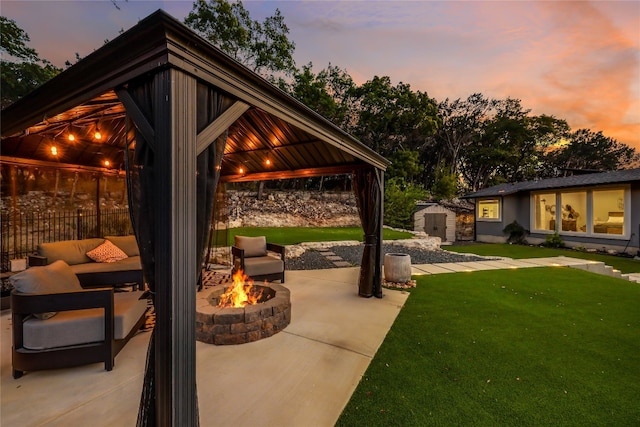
<point x="225" y="326"/>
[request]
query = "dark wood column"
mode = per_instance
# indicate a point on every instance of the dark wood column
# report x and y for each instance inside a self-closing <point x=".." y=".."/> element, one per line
<point x="175" y="232"/>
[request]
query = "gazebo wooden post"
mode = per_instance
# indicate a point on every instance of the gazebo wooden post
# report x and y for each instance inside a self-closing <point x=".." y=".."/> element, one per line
<point x="175" y="231"/>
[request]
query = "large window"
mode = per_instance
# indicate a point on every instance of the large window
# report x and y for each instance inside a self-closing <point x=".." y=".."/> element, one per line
<point x="488" y="210"/>
<point x="592" y="212"/>
<point x="544" y="212"/>
<point x="574" y="211"/>
<point x="608" y="211"/>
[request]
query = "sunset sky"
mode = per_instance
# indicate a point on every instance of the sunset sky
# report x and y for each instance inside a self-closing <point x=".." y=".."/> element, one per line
<point x="576" y="60"/>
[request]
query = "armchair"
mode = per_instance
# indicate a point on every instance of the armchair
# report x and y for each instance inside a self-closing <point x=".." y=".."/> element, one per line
<point x="58" y="324"/>
<point x="256" y="258"/>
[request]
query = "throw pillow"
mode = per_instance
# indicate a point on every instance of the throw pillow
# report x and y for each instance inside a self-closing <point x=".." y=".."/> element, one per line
<point x="107" y="252"/>
<point x="53" y="278"/>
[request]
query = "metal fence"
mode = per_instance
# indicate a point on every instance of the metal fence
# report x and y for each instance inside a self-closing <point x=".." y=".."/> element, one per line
<point x="23" y="231"/>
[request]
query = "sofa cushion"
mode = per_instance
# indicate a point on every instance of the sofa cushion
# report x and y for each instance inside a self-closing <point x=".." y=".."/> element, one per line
<point x="128" y="244"/>
<point x="253" y="246"/>
<point x="107" y="252"/>
<point x="84" y="326"/>
<point x="52" y="278"/>
<point x="49" y="279"/>
<point x="259" y="266"/>
<point x="129" y="263"/>
<point x="70" y="251"/>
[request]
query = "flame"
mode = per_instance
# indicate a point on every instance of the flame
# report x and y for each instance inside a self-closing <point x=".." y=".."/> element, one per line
<point x="241" y="293"/>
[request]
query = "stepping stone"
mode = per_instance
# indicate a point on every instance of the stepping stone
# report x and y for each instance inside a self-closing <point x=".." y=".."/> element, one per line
<point x="322" y="249"/>
<point x="334" y="258"/>
<point x="342" y="264"/>
<point x="327" y="254"/>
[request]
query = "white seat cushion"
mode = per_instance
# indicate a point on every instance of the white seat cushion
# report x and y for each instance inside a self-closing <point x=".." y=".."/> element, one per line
<point x="259" y="266"/>
<point x="84" y="326"/>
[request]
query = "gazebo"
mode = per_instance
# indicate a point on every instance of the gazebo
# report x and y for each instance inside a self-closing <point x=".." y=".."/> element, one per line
<point x="181" y="116"/>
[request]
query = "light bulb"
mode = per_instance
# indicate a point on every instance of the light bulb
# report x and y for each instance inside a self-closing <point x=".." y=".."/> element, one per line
<point x="71" y="137"/>
<point x="54" y="150"/>
<point x="97" y="135"/>
<point x="107" y="163"/>
<point x="268" y="162"/>
<point x="240" y="170"/>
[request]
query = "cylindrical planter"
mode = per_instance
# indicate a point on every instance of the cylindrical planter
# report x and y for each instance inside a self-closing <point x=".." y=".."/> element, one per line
<point x="397" y="268"/>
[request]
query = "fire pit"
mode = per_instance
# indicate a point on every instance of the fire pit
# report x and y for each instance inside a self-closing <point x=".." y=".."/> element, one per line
<point x="242" y="312"/>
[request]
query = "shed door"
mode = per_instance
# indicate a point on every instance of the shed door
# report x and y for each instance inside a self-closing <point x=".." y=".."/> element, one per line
<point x="435" y="224"/>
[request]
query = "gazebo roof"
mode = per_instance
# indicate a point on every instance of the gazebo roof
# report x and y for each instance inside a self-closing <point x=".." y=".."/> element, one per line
<point x="296" y="141"/>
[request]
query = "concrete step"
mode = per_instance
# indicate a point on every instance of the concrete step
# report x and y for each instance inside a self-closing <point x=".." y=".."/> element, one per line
<point x="632" y="277"/>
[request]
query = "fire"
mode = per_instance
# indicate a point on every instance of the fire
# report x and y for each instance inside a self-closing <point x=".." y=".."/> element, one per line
<point x="241" y="293"/>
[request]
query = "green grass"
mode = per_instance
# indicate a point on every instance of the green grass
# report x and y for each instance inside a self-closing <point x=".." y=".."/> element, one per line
<point x="528" y="347"/>
<point x="625" y="265"/>
<point x="295" y="235"/>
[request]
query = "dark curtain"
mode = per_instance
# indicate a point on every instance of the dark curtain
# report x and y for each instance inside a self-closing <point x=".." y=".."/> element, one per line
<point x="367" y="184"/>
<point x="139" y="163"/>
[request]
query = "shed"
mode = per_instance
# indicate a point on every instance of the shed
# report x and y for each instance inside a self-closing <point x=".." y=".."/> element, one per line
<point x="435" y="220"/>
<point x="182" y="116"/>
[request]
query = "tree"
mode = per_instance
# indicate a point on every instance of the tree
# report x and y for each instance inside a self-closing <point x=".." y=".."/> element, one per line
<point x="445" y="184"/>
<point x="330" y="92"/>
<point x="588" y="150"/>
<point x="26" y="70"/>
<point x="400" y="202"/>
<point x="392" y="118"/>
<point x="262" y="46"/>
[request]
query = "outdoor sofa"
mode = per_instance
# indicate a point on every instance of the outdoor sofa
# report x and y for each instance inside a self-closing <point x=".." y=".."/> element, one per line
<point x="91" y="273"/>
<point x="56" y="323"/>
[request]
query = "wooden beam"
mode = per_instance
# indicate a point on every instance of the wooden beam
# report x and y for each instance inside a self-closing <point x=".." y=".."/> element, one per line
<point x="219" y="125"/>
<point x="19" y="161"/>
<point x="299" y="173"/>
<point x="138" y="117"/>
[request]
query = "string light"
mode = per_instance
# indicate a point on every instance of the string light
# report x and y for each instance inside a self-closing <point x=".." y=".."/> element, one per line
<point x="71" y="137"/>
<point x="267" y="162"/>
<point x="97" y="135"/>
<point x="54" y="150"/>
<point x="241" y="170"/>
<point x="107" y="163"/>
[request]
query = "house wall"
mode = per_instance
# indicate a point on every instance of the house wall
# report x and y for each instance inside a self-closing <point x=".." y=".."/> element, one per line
<point x="418" y="220"/>
<point x="513" y="208"/>
<point x="517" y="207"/>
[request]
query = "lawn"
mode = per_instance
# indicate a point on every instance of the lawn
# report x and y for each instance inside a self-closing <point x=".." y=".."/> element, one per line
<point x="528" y="347"/>
<point x="294" y="235"/>
<point x="625" y="265"/>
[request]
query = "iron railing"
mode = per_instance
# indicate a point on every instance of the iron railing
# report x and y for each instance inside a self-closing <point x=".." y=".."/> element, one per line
<point x="23" y="231"/>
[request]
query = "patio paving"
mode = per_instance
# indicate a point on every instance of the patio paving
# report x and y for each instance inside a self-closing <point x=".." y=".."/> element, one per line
<point x="303" y="375"/>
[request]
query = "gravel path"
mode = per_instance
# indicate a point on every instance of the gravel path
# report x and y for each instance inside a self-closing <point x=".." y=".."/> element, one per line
<point x="314" y="260"/>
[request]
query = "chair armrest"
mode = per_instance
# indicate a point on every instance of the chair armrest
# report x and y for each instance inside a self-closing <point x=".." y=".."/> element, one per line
<point x="62" y="301"/>
<point x="238" y="254"/>
<point x="276" y="248"/>
<point x="37" y="260"/>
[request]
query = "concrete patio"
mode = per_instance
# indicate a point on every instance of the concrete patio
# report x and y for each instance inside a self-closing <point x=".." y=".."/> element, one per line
<point x="303" y="375"/>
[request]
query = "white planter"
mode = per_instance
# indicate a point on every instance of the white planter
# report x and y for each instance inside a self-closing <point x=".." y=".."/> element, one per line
<point x="397" y="268"/>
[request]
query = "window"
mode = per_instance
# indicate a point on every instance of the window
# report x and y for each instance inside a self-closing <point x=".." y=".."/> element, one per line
<point x="608" y="211"/>
<point x="598" y="213"/>
<point x="574" y="211"/>
<point x="544" y="211"/>
<point x="488" y="210"/>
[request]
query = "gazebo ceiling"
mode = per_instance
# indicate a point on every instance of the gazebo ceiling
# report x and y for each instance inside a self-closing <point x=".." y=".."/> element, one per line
<point x="276" y="137"/>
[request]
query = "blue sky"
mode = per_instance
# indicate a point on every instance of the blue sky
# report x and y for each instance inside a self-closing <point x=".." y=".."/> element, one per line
<point x="576" y="60"/>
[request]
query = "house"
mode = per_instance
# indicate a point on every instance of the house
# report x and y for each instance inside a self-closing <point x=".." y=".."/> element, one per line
<point x="598" y="210"/>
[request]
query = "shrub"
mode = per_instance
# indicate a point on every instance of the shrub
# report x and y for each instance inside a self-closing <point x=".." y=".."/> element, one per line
<point x="553" y="241"/>
<point x="400" y="202"/>
<point x="515" y="233"/>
